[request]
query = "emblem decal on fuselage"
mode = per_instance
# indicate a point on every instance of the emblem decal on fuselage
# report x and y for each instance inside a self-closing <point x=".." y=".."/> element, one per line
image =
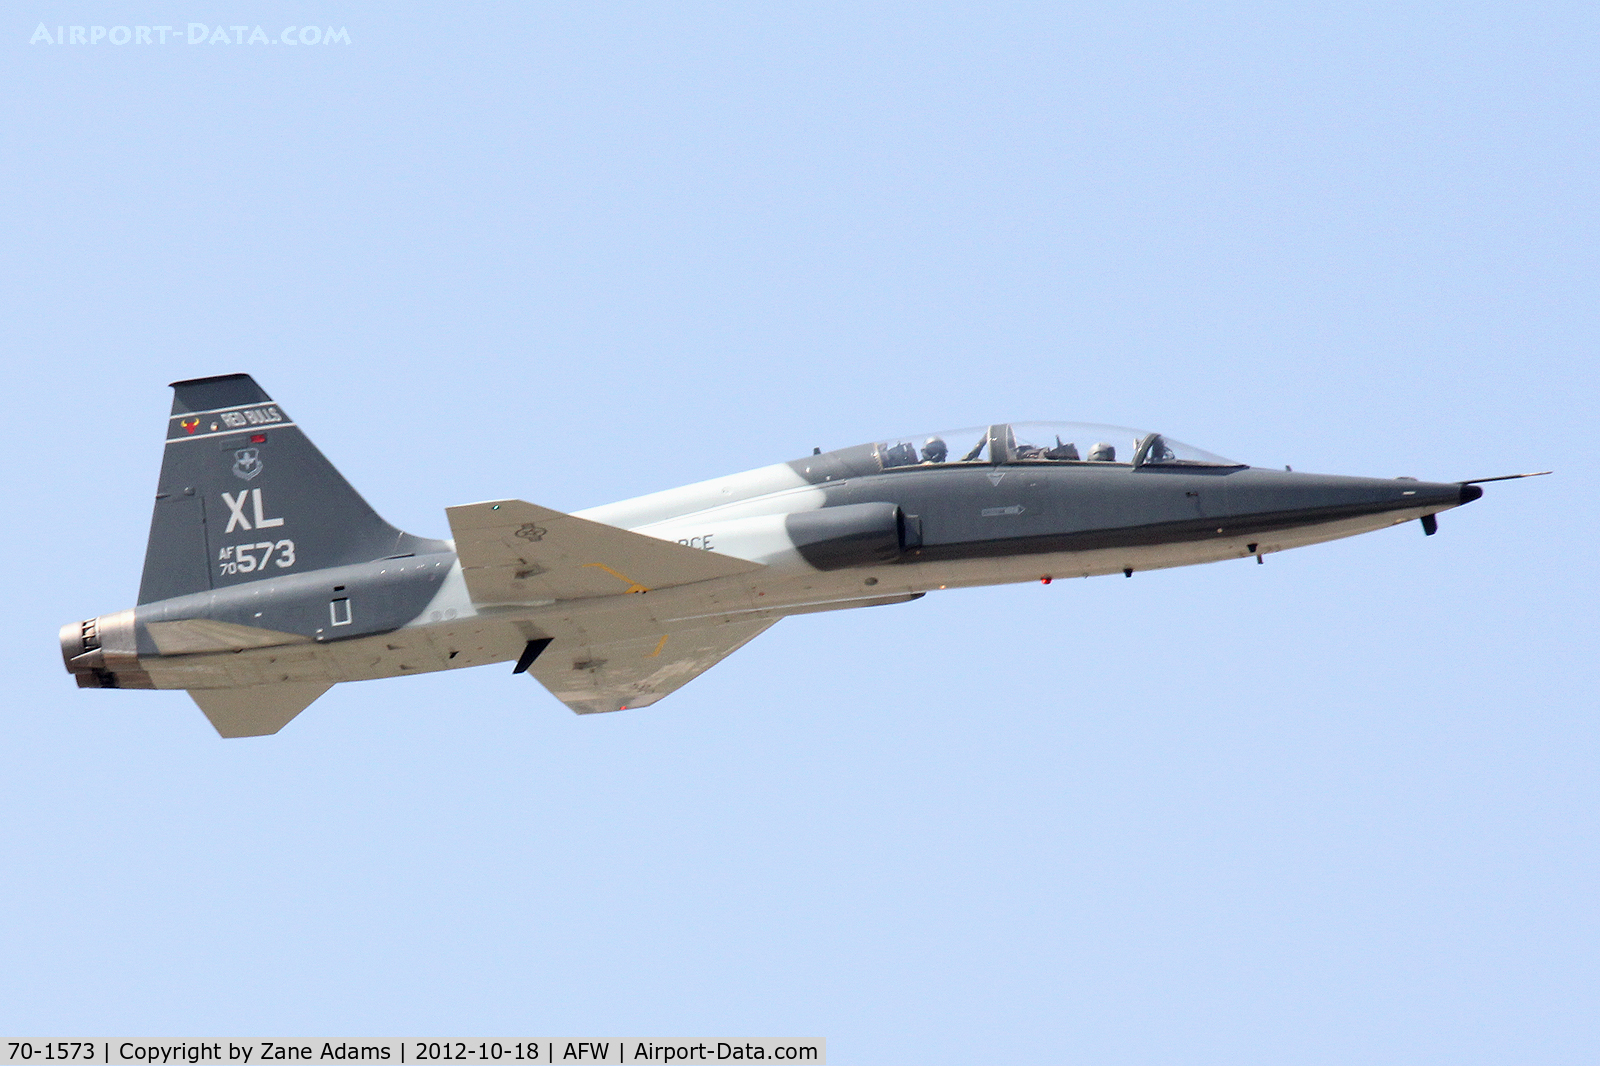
<point x="529" y="531"/>
<point x="247" y="463"/>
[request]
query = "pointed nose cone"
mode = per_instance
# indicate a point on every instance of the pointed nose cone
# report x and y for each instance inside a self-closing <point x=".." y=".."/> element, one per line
<point x="1266" y="500"/>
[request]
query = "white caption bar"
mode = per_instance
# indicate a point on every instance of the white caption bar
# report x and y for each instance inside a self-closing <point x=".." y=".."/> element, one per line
<point x="404" y="1052"/>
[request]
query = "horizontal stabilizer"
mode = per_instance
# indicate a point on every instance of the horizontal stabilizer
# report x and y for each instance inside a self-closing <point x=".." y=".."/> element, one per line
<point x="513" y="552"/>
<point x="256" y="710"/>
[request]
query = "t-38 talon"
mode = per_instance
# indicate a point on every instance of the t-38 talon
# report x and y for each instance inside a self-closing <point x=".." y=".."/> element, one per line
<point x="268" y="579"/>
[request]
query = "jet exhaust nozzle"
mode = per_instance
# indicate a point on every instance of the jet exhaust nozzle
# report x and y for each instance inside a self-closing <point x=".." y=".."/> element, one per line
<point x="80" y="646"/>
<point x="102" y="652"/>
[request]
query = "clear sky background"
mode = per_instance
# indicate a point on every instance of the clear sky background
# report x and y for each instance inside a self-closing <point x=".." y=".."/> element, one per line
<point x="1338" y="808"/>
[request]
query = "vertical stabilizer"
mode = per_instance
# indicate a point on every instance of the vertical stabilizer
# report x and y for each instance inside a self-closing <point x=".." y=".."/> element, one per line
<point x="245" y="495"/>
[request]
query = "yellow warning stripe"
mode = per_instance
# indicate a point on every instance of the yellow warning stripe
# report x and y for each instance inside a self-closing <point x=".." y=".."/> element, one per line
<point x="633" y="586"/>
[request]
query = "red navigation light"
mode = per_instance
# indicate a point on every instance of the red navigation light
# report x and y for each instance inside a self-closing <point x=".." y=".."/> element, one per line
<point x="258" y="438"/>
<point x="1046" y="580"/>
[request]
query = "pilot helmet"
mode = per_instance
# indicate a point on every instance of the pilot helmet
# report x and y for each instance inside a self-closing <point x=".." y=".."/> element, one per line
<point x="1103" y="452"/>
<point x="934" y="450"/>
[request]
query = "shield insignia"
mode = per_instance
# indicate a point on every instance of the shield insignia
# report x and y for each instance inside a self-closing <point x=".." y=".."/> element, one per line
<point x="247" y="463"/>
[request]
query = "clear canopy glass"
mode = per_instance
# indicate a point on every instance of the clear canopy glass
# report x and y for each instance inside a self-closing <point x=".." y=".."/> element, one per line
<point x="1042" y="442"/>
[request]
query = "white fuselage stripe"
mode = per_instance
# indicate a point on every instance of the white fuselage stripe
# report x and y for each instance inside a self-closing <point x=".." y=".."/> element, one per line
<point x="231" y="432"/>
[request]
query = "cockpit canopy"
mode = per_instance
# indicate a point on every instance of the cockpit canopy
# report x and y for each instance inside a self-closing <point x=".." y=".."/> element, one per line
<point x="1041" y="442"/>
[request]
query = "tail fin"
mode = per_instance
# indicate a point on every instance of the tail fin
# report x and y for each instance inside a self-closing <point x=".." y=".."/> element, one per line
<point x="244" y="495"/>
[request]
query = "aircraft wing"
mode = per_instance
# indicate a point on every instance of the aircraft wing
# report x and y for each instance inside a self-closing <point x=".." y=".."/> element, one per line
<point x="513" y="552"/>
<point x="627" y="666"/>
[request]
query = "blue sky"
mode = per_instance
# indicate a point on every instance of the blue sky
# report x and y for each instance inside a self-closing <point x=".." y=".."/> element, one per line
<point x="1340" y="807"/>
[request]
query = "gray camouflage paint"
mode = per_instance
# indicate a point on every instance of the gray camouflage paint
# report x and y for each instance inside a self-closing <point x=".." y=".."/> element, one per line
<point x="975" y="510"/>
<point x="238" y="476"/>
<point x="228" y="441"/>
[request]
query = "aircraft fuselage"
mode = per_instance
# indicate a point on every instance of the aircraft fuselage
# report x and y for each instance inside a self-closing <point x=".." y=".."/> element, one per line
<point x="864" y="526"/>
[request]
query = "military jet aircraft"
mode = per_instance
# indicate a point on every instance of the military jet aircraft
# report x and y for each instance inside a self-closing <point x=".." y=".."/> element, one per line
<point x="268" y="579"/>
